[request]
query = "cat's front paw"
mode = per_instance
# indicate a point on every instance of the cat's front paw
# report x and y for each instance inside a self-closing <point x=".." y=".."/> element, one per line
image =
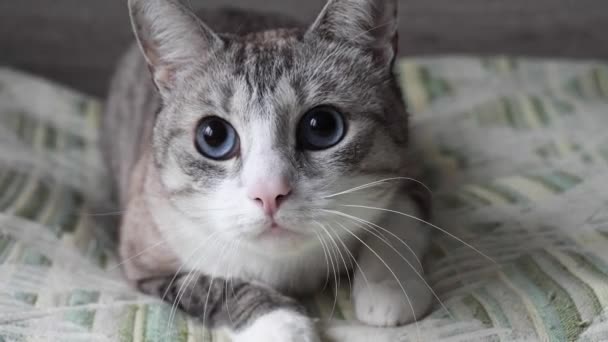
<point x="279" y="326"/>
<point x="385" y="304"/>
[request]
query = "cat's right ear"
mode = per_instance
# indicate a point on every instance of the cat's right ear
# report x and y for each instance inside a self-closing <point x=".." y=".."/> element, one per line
<point x="171" y="38"/>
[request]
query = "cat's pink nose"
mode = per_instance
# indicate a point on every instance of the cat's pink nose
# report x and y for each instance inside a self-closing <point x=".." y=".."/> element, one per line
<point x="269" y="194"/>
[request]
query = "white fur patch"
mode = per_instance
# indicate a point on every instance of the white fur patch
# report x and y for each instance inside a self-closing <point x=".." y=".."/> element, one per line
<point x="385" y="305"/>
<point x="279" y="326"/>
<point x="394" y="290"/>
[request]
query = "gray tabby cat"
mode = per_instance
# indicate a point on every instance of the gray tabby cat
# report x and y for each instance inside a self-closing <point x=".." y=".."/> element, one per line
<point x="258" y="162"/>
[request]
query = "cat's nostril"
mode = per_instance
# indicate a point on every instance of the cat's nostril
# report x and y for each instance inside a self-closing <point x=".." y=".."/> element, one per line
<point x="281" y="198"/>
<point x="259" y="202"/>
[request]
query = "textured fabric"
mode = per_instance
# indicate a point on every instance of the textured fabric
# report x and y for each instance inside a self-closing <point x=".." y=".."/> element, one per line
<point x="517" y="154"/>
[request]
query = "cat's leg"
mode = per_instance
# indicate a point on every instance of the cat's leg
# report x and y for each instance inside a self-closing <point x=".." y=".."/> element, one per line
<point x="249" y="312"/>
<point x="389" y="290"/>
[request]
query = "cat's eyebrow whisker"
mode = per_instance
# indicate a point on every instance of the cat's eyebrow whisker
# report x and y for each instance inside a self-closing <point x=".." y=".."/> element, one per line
<point x="425" y="222"/>
<point x="376" y="183"/>
<point x="392" y="272"/>
<point x="413" y="269"/>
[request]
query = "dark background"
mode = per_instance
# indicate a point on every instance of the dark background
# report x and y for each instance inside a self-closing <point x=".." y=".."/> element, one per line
<point x="77" y="42"/>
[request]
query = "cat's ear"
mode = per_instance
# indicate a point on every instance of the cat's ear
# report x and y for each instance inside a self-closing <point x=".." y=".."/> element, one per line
<point x="370" y="24"/>
<point x="171" y="38"/>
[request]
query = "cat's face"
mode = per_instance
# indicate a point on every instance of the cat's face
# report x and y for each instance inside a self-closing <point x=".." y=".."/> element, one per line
<point x="259" y="138"/>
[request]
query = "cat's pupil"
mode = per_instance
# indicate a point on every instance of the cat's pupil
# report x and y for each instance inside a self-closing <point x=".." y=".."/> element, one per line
<point x="215" y="133"/>
<point x="323" y="124"/>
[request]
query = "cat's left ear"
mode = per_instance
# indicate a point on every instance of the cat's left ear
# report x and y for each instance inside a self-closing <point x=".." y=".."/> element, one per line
<point x="370" y="24"/>
<point x="171" y="38"/>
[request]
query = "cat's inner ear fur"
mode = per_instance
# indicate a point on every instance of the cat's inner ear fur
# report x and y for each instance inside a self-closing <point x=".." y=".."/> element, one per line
<point x="371" y="24"/>
<point x="171" y="38"/>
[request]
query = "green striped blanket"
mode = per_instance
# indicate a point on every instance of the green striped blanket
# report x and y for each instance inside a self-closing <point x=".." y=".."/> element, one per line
<point x="515" y="149"/>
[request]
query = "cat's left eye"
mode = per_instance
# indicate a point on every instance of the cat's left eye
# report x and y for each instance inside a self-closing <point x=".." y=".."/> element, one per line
<point x="321" y="128"/>
<point x="216" y="138"/>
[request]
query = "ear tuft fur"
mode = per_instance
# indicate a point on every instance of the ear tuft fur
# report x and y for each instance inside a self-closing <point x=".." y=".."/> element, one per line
<point x="171" y="37"/>
<point x="367" y="23"/>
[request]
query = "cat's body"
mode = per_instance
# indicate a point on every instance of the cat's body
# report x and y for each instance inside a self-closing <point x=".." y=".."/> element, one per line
<point x="190" y="210"/>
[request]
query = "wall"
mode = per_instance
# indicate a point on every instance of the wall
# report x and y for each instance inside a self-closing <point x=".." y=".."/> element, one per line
<point x="78" y="41"/>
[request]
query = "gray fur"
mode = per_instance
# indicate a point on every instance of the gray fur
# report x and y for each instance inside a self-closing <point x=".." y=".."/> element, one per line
<point x="218" y="302"/>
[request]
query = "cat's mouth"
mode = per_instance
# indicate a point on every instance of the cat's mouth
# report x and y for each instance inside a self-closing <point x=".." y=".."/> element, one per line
<point x="277" y="231"/>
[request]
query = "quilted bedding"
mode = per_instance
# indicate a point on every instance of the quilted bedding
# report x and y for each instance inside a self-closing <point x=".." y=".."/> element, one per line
<point x="516" y="151"/>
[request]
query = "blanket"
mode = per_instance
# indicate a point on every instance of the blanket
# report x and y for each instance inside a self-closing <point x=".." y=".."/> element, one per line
<point x="515" y="150"/>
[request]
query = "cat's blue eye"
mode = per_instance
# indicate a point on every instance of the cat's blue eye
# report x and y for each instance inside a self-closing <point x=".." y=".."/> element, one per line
<point x="216" y="138"/>
<point x="321" y="128"/>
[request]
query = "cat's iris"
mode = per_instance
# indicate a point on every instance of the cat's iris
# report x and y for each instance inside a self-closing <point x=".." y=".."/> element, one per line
<point x="216" y="138"/>
<point x="321" y="128"/>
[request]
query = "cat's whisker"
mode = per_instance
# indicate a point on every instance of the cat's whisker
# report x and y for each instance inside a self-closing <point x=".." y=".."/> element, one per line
<point x="336" y="269"/>
<point x="183" y="264"/>
<point x="175" y="303"/>
<point x="209" y="293"/>
<point x="186" y="281"/>
<point x="322" y="242"/>
<point x="354" y="260"/>
<point x="376" y="183"/>
<point x="346" y="268"/>
<point x="160" y="242"/>
<point x="413" y="269"/>
<point x="109" y="213"/>
<point x="425" y="222"/>
<point x="393" y="274"/>
<point x="211" y="286"/>
<point x="229" y="280"/>
<point x="226" y="251"/>
<point x="143" y="251"/>
<point x="368" y="223"/>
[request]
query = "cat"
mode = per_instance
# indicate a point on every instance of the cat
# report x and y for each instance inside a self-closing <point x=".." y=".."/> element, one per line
<point x="256" y="158"/>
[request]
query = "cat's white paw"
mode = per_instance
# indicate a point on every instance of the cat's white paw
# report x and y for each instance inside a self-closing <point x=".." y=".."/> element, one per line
<point x="384" y="304"/>
<point x="279" y="326"/>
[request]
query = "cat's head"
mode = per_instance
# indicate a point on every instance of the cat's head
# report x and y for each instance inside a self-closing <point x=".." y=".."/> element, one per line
<point x="262" y="134"/>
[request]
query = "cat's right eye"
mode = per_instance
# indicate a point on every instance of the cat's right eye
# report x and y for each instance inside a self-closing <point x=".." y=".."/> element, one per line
<point x="216" y="138"/>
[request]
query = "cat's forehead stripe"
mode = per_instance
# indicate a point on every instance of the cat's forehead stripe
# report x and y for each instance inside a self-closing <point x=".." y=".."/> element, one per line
<point x="262" y="66"/>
